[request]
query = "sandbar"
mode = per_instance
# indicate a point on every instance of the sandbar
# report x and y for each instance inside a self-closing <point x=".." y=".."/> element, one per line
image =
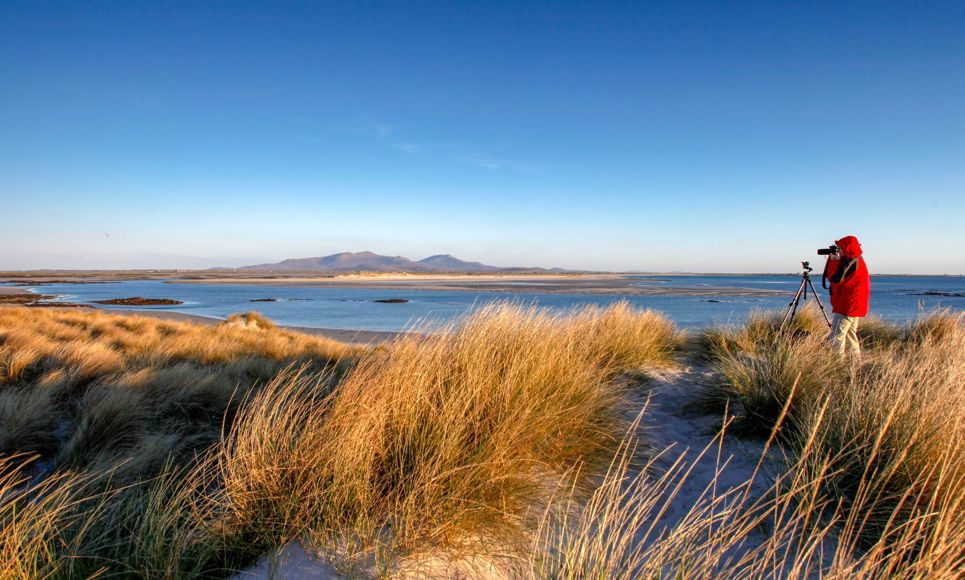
<point x="607" y="284"/>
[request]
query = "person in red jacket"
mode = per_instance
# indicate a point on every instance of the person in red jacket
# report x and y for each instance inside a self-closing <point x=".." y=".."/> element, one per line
<point x="850" y="290"/>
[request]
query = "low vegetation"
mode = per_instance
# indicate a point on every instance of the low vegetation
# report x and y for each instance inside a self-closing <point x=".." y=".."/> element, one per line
<point x="135" y="447"/>
<point x="106" y="426"/>
<point x="82" y="388"/>
<point x="437" y="440"/>
<point x="431" y="442"/>
<point x="884" y="435"/>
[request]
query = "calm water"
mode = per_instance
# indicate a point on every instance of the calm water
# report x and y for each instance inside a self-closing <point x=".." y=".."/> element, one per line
<point x="892" y="298"/>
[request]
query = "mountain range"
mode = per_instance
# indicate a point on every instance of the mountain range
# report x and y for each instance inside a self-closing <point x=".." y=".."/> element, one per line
<point x="371" y="262"/>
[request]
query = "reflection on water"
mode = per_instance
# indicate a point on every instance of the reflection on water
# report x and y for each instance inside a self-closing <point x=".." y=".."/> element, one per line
<point x="893" y="298"/>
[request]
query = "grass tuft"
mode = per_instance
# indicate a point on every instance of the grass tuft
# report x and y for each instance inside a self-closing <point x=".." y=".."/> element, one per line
<point x="887" y="432"/>
<point x="432" y="441"/>
<point x="445" y="436"/>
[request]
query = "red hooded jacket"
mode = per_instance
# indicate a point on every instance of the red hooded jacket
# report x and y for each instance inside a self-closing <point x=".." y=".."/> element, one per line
<point x="849" y="296"/>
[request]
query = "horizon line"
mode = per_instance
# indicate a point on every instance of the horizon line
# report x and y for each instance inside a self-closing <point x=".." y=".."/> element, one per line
<point x="516" y="270"/>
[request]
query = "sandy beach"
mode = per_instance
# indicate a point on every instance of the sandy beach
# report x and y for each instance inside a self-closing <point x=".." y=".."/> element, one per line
<point x="343" y="335"/>
<point x="609" y="284"/>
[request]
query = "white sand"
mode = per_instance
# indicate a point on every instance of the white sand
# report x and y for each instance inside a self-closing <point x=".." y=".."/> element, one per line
<point x="674" y="422"/>
<point x="289" y="563"/>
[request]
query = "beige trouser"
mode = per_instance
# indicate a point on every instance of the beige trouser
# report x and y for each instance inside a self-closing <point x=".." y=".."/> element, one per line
<point x="844" y="334"/>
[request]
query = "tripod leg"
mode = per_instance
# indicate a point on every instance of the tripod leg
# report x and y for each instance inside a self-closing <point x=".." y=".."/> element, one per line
<point x="792" y="307"/>
<point x="820" y="305"/>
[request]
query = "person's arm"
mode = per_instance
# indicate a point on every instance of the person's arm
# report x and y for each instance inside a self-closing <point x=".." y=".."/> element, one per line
<point x="845" y="269"/>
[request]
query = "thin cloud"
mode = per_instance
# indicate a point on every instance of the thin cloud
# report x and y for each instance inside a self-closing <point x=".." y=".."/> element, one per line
<point x="496" y="164"/>
<point x="369" y="126"/>
<point x="486" y="162"/>
<point x="410" y="148"/>
<point x="383" y="130"/>
<point x="387" y="135"/>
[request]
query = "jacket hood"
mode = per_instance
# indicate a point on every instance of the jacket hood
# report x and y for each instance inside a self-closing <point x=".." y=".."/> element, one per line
<point x="849" y="246"/>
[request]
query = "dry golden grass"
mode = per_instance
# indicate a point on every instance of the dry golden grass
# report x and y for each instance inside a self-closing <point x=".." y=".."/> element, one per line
<point x="75" y="386"/>
<point x="101" y="409"/>
<point x="79" y="525"/>
<point x="902" y="414"/>
<point x="453" y="443"/>
<point x="425" y="443"/>
<point x="761" y="380"/>
<point x="439" y="438"/>
<point x="884" y="436"/>
<point x="760" y="328"/>
<point x="793" y="530"/>
<point x="250" y="320"/>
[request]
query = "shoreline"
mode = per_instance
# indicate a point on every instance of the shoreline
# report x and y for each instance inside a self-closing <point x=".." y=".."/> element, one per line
<point x="596" y="284"/>
<point x="588" y="284"/>
<point x="352" y="336"/>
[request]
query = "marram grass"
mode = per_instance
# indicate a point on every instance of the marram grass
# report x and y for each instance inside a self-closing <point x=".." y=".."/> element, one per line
<point x="885" y="435"/>
<point x="163" y="450"/>
<point x="421" y="443"/>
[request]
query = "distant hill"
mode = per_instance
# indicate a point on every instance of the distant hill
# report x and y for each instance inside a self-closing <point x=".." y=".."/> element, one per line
<point x="371" y="262"/>
<point x="449" y="263"/>
<point x="346" y="262"/>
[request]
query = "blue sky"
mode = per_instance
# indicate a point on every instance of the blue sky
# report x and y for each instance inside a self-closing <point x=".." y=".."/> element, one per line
<point x="618" y="136"/>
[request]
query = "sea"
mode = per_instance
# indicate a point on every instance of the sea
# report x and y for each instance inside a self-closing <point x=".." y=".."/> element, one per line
<point x="893" y="298"/>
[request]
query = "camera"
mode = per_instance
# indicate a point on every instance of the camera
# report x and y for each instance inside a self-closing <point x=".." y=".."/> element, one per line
<point x="830" y="250"/>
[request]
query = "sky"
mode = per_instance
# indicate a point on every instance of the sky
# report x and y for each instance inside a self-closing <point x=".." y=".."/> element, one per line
<point x="618" y="136"/>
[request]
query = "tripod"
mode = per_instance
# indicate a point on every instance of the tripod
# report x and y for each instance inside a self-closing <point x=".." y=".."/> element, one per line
<point x="802" y="292"/>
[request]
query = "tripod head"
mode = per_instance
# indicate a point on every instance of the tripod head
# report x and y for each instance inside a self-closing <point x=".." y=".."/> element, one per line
<point x="807" y="266"/>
